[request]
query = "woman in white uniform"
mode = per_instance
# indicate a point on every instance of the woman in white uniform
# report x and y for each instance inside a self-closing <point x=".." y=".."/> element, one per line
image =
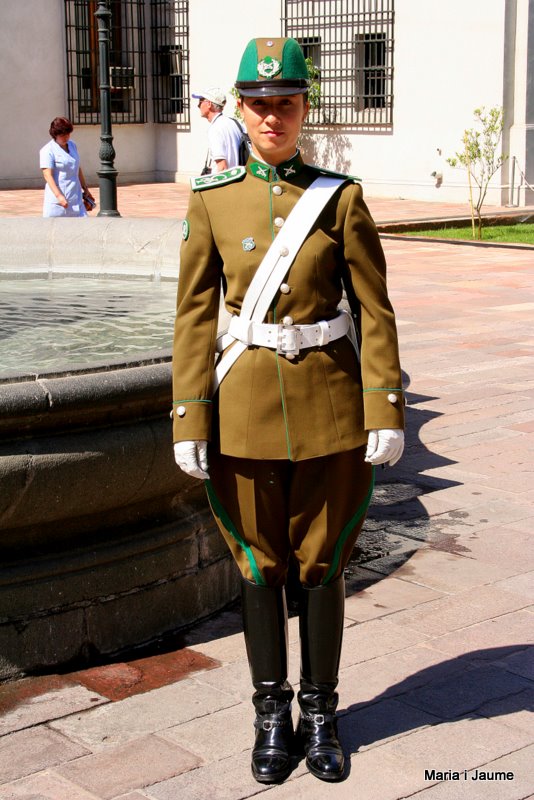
<point x="65" y="181"/>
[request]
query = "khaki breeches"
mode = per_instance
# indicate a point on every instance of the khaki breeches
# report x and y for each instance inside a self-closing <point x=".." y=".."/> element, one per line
<point x="271" y="511"/>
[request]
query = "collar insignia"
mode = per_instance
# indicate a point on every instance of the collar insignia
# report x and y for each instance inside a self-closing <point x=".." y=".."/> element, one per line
<point x="268" y="67"/>
<point x="291" y="167"/>
<point x="262" y="171"/>
<point x="285" y="170"/>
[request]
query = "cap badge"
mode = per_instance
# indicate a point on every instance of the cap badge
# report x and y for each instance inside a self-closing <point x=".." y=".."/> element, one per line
<point x="268" y="67"/>
<point x="248" y="244"/>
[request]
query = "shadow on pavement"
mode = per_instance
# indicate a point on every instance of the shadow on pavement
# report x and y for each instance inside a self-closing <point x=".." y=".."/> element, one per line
<point x="397" y="523"/>
<point x="488" y="683"/>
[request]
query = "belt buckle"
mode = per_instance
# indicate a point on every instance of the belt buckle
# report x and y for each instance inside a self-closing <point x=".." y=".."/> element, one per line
<point x="288" y="341"/>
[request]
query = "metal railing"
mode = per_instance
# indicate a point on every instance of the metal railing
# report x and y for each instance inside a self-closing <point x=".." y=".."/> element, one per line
<point x="351" y="42"/>
<point x="514" y="190"/>
<point x="127" y="61"/>
<point x="170" y="61"/>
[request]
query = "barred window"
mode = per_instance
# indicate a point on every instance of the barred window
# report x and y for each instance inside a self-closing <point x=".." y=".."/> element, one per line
<point x="126" y="58"/>
<point x="351" y="43"/>
<point x="170" y="60"/>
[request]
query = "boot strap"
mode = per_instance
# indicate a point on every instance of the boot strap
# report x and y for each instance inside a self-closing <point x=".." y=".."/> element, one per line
<point x="268" y="724"/>
<point x="318" y="719"/>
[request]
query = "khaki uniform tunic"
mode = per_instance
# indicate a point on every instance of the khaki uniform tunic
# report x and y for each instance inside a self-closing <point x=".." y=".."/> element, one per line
<point x="268" y="407"/>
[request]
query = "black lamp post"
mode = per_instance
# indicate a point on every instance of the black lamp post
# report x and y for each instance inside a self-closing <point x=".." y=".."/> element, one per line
<point x="107" y="174"/>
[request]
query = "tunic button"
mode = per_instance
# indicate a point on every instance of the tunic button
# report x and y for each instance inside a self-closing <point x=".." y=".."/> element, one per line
<point x="181" y="411"/>
<point x="277" y="190"/>
<point x="284" y="251"/>
<point x="279" y="221"/>
<point x="287" y="321"/>
<point x="392" y="398"/>
<point x="284" y="288"/>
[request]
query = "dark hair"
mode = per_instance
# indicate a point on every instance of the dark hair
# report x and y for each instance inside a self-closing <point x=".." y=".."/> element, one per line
<point x="60" y="125"/>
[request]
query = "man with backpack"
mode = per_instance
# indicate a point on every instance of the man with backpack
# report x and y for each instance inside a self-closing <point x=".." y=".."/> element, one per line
<point x="227" y="141"/>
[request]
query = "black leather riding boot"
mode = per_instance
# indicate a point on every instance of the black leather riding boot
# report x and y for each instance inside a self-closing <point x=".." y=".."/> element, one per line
<point x="321" y="635"/>
<point x="265" y="628"/>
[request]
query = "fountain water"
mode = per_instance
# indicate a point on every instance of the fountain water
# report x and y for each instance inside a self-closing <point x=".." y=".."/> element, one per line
<point x="81" y="321"/>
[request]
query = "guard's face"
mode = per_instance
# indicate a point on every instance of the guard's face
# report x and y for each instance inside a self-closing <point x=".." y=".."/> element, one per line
<point x="273" y="124"/>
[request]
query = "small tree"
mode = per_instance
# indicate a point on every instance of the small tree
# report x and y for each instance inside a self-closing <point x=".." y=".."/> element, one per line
<point x="479" y="157"/>
<point x="314" y="92"/>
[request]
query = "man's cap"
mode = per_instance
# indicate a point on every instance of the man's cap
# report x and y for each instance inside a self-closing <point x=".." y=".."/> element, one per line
<point x="272" y="67"/>
<point x="214" y="95"/>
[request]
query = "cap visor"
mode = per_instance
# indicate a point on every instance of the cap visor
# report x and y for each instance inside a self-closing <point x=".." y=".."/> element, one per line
<point x="272" y="91"/>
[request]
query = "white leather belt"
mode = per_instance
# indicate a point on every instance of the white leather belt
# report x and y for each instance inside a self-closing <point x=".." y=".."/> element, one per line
<point x="286" y="338"/>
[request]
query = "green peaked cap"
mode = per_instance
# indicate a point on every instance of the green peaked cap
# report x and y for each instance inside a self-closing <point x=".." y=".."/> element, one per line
<point x="272" y="67"/>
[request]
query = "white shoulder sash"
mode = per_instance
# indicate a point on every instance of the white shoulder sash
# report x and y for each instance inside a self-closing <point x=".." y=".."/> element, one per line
<point x="277" y="262"/>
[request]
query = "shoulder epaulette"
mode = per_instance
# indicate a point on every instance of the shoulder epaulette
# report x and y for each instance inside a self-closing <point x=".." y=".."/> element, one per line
<point x="217" y="179"/>
<point x="334" y="174"/>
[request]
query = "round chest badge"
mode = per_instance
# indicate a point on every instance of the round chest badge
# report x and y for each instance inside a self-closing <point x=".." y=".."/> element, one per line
<point x="268" y="67"/>
<point x="185" y="229"/>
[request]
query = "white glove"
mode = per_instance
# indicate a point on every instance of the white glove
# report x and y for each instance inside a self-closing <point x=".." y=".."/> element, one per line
<point x="192" y="458"/>
<point x="384" y="445"/>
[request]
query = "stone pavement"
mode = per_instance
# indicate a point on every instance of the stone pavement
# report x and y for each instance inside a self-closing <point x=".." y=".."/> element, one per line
<point x="170" y="200"/>
<point x="437" y="673"/>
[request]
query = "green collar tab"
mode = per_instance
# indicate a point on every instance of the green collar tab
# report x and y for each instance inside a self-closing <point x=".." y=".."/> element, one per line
<point x="263" y="171"/>
<point x="285" y="171"/>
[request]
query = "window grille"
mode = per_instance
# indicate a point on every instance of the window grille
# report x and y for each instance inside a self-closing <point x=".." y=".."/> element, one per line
<point x="351" y="42"/>
<point x="170" y="61"/>
<point x="126" y="59"/>
<point x="311" y="47"/>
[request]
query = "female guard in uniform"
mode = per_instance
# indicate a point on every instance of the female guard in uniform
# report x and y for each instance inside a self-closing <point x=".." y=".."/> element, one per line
<point x="287" y="439"/>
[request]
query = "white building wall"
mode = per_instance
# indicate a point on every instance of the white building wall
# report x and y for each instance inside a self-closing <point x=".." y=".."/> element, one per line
<point x="449" y="59"/>
<point x="33" y="91"/>
<point x="520" y="92"/>
<point x="32" y="85"/>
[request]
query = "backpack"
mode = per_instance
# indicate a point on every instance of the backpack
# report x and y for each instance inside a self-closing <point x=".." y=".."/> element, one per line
<point x="244" y="144"/>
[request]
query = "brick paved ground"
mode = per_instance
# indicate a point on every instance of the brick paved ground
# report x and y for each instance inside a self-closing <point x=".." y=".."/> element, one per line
<point x="437" y="671"/>
<point x="170" y="200"/>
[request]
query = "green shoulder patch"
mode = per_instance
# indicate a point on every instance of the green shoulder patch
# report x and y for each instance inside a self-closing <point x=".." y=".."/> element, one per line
<point x="331" y="172"/>
<point x="217" y="179"/>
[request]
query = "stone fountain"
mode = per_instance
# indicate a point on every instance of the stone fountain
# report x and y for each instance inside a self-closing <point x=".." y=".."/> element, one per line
<point x="104" y="544"/>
